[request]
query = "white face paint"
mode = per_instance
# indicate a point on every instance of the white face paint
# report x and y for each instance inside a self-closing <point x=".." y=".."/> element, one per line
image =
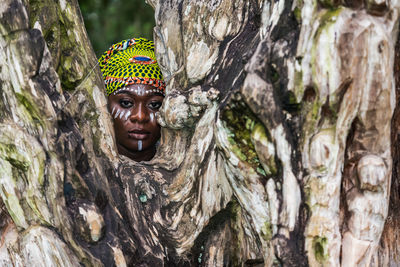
<point x="127" y="115"/>
<point x="117" y="113"/>
<point x="141" y="90"/>
<point x="139" y="144"/>
<point x="122" y="114"/>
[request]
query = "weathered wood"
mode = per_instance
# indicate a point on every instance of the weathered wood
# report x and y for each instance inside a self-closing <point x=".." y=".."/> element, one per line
<point x="277" y="141"/>
<point x="56" y="145"/>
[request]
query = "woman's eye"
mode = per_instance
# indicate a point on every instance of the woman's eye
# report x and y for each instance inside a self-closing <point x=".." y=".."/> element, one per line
<point x="155" y="105"/>
<point x="125" y="103"/>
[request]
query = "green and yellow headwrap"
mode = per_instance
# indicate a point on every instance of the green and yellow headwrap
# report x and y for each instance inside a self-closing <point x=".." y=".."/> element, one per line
<point x="130" y="62"/>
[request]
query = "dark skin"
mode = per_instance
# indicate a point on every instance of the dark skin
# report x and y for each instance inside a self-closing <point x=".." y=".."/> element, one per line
<point x="136" y="130"/>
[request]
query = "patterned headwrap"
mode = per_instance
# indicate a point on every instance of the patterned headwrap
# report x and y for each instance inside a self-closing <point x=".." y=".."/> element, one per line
<point x="131" y="62"/>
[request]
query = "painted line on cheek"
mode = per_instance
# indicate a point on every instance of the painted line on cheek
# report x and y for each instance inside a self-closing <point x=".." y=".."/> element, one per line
<point x="140" y="145"/>
<point x="112" y="111"/>
<point x="122" y="114"/>
<point x="127" y="115"/>
<point x="152" y="117"/>
<point x="116" y="114"/>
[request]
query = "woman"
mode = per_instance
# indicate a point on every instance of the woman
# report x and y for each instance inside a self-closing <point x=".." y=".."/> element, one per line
<point x="135" y="90"/>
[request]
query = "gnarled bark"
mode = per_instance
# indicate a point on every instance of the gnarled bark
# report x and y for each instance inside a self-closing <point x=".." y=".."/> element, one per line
<point x="277" y="139"/>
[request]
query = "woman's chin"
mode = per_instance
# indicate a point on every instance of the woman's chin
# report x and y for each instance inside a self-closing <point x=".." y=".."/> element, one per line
<point x="136" y="149"/>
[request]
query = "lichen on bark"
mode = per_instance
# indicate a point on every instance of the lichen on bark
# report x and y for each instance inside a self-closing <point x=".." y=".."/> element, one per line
<point x="275" y="145"/>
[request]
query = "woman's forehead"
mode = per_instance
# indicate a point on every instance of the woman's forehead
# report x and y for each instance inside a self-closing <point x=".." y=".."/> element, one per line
<point x="138" y="89"/>
<point x="132" y="92"/>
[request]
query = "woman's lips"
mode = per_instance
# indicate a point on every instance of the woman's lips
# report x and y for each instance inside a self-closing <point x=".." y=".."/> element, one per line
<point x="138" y="134"/>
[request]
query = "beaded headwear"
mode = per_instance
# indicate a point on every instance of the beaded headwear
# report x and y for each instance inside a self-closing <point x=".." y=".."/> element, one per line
<point x="131" y="62"/>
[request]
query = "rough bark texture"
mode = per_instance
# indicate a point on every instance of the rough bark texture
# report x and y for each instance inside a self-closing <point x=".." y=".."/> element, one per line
<point x="279" y="128"/>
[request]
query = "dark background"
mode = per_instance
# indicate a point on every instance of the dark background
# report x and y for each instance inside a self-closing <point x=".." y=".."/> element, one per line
<point x="111" y="21"/>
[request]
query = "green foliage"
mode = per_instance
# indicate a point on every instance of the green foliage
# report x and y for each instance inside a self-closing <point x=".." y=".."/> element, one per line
<point x="110" y="21"/>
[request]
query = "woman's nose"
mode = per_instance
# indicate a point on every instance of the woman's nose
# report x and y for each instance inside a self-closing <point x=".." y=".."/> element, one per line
<point x="139" y="114"/>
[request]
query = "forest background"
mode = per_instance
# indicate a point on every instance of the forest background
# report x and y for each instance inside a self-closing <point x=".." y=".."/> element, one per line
<point x="110" y="21"/>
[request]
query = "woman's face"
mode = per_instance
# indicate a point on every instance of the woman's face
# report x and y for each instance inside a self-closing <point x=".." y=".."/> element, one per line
<point x="134" y="111"/>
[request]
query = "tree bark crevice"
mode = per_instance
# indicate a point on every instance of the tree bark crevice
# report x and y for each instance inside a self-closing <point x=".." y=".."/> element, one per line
<point x="279" y="129"/>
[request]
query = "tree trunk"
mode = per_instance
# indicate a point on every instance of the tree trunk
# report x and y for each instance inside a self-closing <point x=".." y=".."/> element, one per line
<point x="279" y="128"/>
